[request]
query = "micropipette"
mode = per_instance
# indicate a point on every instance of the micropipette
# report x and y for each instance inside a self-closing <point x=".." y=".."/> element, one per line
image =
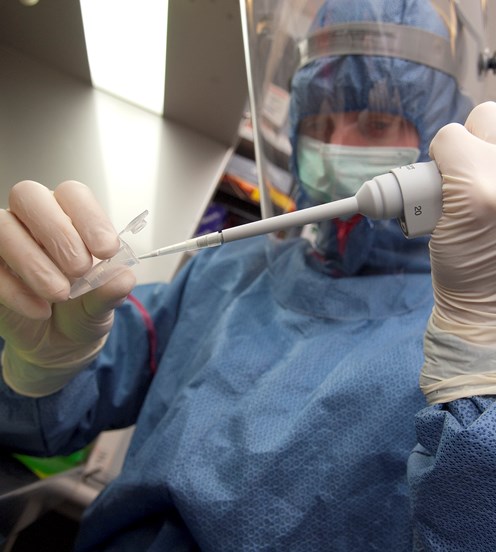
<point x="411" y="193"/>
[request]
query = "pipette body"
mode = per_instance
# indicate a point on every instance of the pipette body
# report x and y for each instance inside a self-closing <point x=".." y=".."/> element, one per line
<point x="411" y="193"/>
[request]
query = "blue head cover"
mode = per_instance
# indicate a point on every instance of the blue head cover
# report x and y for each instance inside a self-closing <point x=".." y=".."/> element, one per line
<point x="426" y="97"/>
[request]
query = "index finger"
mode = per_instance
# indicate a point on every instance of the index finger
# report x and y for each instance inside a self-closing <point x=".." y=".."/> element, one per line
<point x="88" y="217"/>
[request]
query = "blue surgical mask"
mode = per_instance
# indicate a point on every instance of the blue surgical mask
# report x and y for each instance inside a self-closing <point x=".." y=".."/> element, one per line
<point x="329" y="172"/>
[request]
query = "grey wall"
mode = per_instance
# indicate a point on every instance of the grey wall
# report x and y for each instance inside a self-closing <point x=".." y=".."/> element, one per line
<point x="54" y="126"/>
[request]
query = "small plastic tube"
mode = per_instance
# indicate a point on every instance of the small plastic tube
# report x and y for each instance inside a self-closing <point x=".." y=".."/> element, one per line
<point x="105" y="270"/>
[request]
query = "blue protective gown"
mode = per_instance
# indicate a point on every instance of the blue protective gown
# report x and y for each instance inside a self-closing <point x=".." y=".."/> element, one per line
<point x="452" y="476"/>
<point x="281" y="414"/>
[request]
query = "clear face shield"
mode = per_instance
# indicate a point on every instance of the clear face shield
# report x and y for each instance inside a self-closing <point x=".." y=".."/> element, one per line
<point x="342" y="91"/>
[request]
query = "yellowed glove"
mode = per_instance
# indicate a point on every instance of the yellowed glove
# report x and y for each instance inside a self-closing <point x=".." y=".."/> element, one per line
<point x="460" y="342"/>
<point x="46" y="240"/>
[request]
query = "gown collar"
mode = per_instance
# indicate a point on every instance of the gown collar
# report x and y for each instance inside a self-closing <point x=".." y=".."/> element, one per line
<point x="301" y="282"/>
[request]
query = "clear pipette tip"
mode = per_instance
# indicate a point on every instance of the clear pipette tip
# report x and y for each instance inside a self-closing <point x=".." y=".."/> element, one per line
<point x="176" y="248"/>
<point x="200" y="242"/>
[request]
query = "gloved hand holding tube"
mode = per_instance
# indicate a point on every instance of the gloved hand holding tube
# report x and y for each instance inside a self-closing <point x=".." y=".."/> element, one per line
<point x="460" y="342"/>
<point x="47" y="240"/>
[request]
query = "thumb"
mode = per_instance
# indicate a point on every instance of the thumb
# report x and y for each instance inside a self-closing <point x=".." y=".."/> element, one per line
<point x="482" y="122"/>
<point x="454" y="141"/>
<point x="466" y="164"/>
<point x="109" y="296"/>
<point x="89" y="317"/>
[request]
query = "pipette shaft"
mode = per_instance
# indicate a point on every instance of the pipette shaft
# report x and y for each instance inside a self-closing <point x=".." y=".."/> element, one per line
<point x="342" y="208"/>
<point x="411" y="193"/>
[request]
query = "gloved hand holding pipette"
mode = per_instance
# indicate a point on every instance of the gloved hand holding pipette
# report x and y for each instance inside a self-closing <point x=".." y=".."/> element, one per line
<point x="463" y="260"/>
<point x="46" y="241"/>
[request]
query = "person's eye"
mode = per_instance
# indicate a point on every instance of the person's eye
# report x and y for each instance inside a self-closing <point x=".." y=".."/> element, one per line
<point x="320" y="128"/>
<point x="376" y="125"/>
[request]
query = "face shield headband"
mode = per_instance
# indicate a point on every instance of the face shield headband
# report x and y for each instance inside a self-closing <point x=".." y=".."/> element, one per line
<point x="382" y="40"/>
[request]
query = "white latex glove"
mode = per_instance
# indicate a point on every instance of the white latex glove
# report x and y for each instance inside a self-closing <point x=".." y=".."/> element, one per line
<point x="46" y="240"/>
<point x="460" y="342"/>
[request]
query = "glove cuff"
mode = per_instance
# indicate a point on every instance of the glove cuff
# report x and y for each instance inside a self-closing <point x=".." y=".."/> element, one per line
<point x="455" y="368"/>
<point x="33" y="380"/>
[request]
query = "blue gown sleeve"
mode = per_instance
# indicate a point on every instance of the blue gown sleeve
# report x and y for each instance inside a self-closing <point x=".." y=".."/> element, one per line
<point x="109" y="393"/>
<point x="452" y="477"/>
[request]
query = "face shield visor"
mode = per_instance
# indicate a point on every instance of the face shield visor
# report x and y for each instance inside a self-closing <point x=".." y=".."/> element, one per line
<point x="342" y="91"/>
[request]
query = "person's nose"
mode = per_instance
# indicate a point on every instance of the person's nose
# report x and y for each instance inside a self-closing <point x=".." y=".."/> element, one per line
<point x="342" y="131"/>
